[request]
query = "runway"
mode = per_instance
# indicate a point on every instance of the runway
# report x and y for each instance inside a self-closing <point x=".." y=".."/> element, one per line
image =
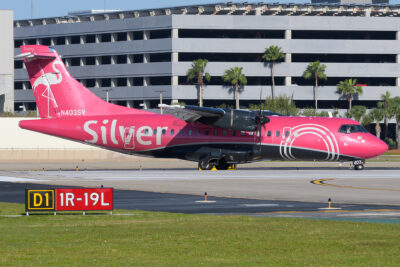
<point x="296" y="192"/>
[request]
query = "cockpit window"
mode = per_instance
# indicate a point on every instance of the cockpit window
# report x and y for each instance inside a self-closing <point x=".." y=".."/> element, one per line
<point x="351" y="128"/>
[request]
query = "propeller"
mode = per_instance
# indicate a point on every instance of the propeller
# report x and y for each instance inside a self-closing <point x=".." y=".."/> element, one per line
<point x="260" y="120"/>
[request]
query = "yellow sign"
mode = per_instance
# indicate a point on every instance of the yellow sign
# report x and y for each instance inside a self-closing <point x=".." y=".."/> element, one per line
<point x="39" y="199"/>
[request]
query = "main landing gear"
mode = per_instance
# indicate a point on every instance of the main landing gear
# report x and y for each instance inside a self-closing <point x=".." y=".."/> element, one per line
<point x="358" y="165"/>
<point x="216" y="165"/>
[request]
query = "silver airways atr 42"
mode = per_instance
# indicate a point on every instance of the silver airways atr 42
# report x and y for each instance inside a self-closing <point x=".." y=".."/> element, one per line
<point x="210" y="136"/>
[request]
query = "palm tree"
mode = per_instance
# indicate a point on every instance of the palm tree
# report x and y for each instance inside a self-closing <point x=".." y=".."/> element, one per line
<point x="197" y="71"/>
<point x="235" y="77"/>
<point x="377" y="115"/>
<point x="358" y="112"/>
<point x="348" y="89"/>
<point x="273" y="54"/>
<point x="315" y="70"/>
<point x="387" y="110"/>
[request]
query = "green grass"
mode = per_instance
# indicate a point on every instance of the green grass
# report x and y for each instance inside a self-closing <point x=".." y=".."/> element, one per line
<point x="152" y="238"/>
<point x="386" y="158"/>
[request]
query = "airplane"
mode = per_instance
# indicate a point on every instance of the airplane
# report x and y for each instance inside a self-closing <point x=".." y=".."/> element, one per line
<point x="213" y="137"/>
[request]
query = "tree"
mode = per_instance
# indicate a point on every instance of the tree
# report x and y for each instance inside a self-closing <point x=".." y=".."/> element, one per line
<point x="395" y="104"/>
<point x="273" y="54"/>
<point x="377" y="115"/>
<point x="310" y="112"/>
<point x="358" y="112"/>
<point x="387" y="110"/>
<point x="235" y="77"/>
<point x="281" y="104"/>
<point x="315" y="71"/>
<point x="348" y="89"/>
<point x="197" y="71"/>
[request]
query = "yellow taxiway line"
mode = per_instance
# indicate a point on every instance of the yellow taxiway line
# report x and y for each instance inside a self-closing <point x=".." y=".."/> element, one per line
<point x="323" y="182"/>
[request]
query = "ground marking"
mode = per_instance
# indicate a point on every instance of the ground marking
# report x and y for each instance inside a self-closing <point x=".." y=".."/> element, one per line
<point x="322" y="182"/>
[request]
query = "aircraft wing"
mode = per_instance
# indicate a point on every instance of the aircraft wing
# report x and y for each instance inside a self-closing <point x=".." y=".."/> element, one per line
<point x="241" y="120"/>
<point x="192" y="113"/>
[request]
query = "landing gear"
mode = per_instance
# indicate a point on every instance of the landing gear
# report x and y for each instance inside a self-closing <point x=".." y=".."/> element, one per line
<point x="206" y="165"/>
<point x="358" y="165"/>
<point x="216" y="164"/>
<point x="222" y="165"/>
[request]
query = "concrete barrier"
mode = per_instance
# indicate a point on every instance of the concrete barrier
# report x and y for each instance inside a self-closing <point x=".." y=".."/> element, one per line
<point x="17" y="144"/>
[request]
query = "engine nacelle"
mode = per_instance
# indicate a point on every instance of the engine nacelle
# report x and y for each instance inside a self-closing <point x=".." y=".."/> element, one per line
<point x="240" y="120"/>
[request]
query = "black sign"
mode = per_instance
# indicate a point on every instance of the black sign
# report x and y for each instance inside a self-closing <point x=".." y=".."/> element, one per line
<point x="39" y="200"/>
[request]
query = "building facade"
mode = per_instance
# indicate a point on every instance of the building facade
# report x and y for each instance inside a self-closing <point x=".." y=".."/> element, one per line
<point x="6" y="61"/>
<point x="135" y="56"/>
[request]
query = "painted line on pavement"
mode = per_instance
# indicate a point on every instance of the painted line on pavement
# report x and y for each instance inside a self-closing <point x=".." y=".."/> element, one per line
<point x="323" y="182"/>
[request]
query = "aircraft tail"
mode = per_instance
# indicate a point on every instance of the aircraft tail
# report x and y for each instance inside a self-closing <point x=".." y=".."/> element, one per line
<point x="56" y="92"/>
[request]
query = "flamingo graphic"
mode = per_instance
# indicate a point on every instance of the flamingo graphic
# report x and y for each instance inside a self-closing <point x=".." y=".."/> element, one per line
<point x="50" y="78"/>
<point x="47" y="80"/>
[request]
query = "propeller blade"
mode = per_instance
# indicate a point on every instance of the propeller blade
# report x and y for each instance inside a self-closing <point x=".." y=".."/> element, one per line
<point x="259" y="123"/>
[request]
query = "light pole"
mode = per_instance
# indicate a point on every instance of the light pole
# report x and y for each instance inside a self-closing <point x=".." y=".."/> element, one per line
<point x="161" y="98"/>
<point x="107" y="90"/>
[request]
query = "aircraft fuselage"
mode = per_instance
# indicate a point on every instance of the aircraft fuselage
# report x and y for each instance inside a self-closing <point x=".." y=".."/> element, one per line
<point x="283" y="138"/>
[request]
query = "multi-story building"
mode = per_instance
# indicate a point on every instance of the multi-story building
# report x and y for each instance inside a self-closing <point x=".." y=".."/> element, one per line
<point x="6" y="61"/>
<point x="136" y="55"/>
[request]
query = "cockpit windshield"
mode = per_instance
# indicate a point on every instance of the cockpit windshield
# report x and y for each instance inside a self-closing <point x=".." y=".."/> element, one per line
<point x="351" y="128"/>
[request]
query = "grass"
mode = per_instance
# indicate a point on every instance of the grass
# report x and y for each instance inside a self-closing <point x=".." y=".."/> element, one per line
<point x="152" y="238"/>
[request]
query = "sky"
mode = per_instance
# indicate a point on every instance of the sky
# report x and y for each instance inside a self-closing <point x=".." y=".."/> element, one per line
<point x="55" y="8"/>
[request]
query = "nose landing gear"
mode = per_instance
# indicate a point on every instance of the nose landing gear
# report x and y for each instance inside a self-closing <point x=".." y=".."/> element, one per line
<point x="358" y="165"/>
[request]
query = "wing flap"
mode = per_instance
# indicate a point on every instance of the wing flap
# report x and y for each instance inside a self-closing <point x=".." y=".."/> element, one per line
<point x="191" y="113"/>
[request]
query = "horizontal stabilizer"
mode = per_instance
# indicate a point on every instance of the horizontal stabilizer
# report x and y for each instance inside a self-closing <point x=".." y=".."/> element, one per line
<point x="29" y="56"/>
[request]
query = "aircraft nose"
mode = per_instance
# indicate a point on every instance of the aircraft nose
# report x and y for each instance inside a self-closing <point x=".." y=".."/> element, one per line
<point x="379" y="147"/>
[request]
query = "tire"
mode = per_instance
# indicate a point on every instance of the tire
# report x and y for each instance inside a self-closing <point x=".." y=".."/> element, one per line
<point x="222" y="166"/>
<point x="205" y="165"/>
<point x="359" y="167"/>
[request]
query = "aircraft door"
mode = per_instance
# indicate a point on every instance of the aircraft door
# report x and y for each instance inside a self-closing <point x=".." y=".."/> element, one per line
<point x="129" y="140"/>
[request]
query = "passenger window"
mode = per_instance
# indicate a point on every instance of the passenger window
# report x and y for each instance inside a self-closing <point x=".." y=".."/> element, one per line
<point x="224" y="132"/>
<point x="286" y="133"/>
<point x="146" y="131"/>
<point x="180" y="132"/>
<point x="215" y="132"/>
<point x="206" y="132"/>
<point x="197" y="132"/>
<point x="189" y="132"/>
<point x="277" y="133"/>
<point x="164" y="131"/>
<point x="269" y="133"/>
<point x="172" y="132"/>
<point x="233" y="133"/>
<point x="155" y="131"/>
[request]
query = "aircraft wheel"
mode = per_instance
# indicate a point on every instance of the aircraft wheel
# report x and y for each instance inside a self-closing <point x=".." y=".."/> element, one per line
<point x="206" y="165"/>
<point x="359" y="167"/>
<point x="222" y="166"/>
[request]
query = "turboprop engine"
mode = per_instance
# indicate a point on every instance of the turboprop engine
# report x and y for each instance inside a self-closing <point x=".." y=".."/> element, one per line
<point x="240" y="120"/>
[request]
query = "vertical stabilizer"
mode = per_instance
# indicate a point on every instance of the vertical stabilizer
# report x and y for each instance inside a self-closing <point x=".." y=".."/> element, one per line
<point x="57" y="94"/>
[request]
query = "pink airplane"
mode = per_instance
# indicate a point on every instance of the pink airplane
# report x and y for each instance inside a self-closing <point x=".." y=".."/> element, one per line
<point x="213" y="137"/>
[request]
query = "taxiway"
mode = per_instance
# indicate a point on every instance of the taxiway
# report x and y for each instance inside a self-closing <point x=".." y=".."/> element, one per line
<point x="295" y="192"/>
